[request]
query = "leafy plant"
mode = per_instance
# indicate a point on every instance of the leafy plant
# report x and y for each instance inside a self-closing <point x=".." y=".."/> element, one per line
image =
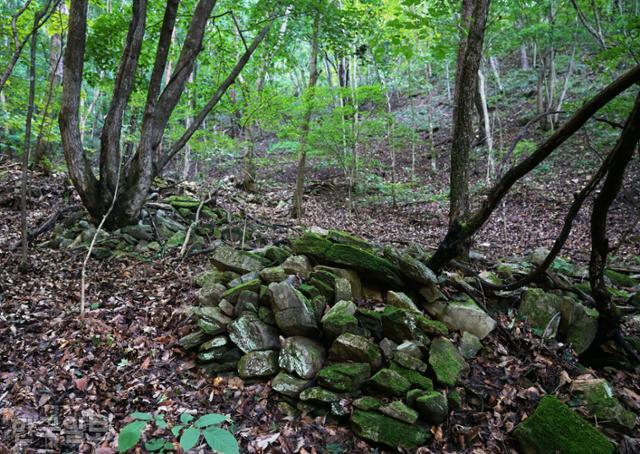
<point x="188" y="433"/>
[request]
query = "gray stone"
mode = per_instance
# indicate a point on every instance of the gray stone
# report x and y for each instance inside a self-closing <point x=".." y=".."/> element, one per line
<point x="258" y="364"/>
<point x="464" y="315"/>
<point x="342" y="290"/>
<point x="289" y="385"/>
<point x="398" y="410"/>
<point x="469" y="346"/>
<point x="247" y="302"/>
<point x="351" y="347"/>
<point x="226" y="307"/>
<point x="350" y="275"/>
<point x="409" y="361"/>
<point x="413" y="348"/>
<point x="193" y="340"/>
<point x="344" y="377"/>
<point x="138" y="231"/>
<point x="388" y="431"/>
<point x="241" y="262"/>
<point x="298" y="265"/>
<point x="273" y="274"/>
<point x="339" y="319"/>
<point x="542" y="310"/>
<point x="302" y="356"/>
<point x="388" y="348"/>
<point x="294" y="313"/>
<point x="446" y="361"/>
<point x="432" y="407"/>
<point x="210" y="295"/>
<point x="214" y="314"/>
<point x="250" y="333"/>
<point x="318" y="395"/>
<point x="390" y="382"/>
<point x="401" y="300"/>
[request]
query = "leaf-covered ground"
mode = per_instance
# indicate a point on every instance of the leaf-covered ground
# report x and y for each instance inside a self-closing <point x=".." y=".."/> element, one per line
<point x="60" y="374"/>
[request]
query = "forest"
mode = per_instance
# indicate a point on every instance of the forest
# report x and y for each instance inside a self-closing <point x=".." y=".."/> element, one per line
<point x="320" y="226"/>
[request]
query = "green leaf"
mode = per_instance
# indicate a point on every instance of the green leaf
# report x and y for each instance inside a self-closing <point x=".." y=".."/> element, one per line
<point x="189" y="438"/>
<point x="221" y="440"/>
<point x="130" y="435"/>
<point x="141" y="416"/>
<point x="175" y="430"/>
<point x="155" y="444"/>
<point x="210" y="420"/>
<point x="186" y="418"/>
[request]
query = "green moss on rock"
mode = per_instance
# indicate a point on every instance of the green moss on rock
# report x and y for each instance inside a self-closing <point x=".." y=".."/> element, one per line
<point x="367" y="403"/>
<point x="388" y="431"/>
<point x="554" y="428"/>
<point x="446" y="361"/>
<point x="311" y="244"/>
<point x="416" y="379"/>
<point x="366" y="262"/>
<point x="344" y="377"/>
<point x="390" y="382"/>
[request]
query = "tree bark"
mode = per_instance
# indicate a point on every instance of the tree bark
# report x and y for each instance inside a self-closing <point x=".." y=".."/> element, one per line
<point x="621" y="156"/>
<point x="27" y="149"/>
<point x="297" y="209"/>
<point x="461" y="231"/>
<point x="474" y="19"/>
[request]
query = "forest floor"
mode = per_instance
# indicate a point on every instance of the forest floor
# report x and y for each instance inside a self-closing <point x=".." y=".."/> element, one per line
<point x="60" y="375"/>
<point x="67" y="384"/>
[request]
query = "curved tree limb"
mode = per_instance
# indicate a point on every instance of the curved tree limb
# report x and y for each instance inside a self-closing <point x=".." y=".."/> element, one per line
<point x="463" y="229"/>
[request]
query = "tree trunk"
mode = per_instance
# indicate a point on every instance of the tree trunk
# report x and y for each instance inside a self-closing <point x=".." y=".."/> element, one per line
<point x="297" y="209"/>
<point x="524" y="59"/>
<point x="27" y="148"/>
<point x="622" y="154"/>
<point x="491" y="165"/>
<point x="461" y="232"/>
<point x="42" y="150"/>
<point x="474" y="18"/>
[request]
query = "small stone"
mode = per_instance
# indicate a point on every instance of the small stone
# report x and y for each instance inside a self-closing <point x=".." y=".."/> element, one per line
<point x="340" y="319"/>
<point x="193" y="340"/>
<point x="214" y="314"/>
<point x="387" y="431"/>
<point x="469" y="346"/>
<point x="367" y="403"/>
<point x="302" y="356"/>
<point x="463" y="315"/>
<point x="273" y="274"/>
<point x="351" y="347"/>
<point x="340" y="408"/>
<point x="416" y="379"/>
<point x="318" y="395"/>
<point x="216" y="342"/>
<point x="232" y="294"/>
<point x="542" y="310"/>
<point x="294" y="313"/>
<point x="599" y="398"/>
<point x="247" y="302"/>
<point x="398" y="410"/>
<point x="401" y="300"/>
<point x="413" y="394"/>
<point x="343" y="290"/>
<point x="432" y="407"/>
<point x="210" y="295"/>
<point x="226" y="307"/>
<point x="266" y="315"/>
<point x="344" y="377"/>
<point x="258" y="364"/>
<point x="553" y="427"/>
<point x="445" y="360"/>
<point x="276" y="254"/>
<point x="388" y="381"/>
<point x="227" y="258"/>
<point x="350" y="275"/>
<point x="413" y="348"/>
<point x="250" y="333"/>
<point x="388" y="348"/>
<point x="287" y="409"/>
<point x="289" y="385"/>
<point x="210" y="327"/>
<point x="410" y="362"/>
<point x="298" y="265"/>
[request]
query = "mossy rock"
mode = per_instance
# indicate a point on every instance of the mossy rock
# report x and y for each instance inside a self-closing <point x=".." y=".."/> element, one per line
<point x="388" y="431"/>
<point x="182" y="201"/>
<point x="311" y="244"/>
<point x="339" y="236"/>
<point x="554" y="428"/>
<point x="366" y="262"/>
<point x="433" y="407"/>
<point x="370" y="320"/>
<point x="390" y="382"/>
<point x="193" y="340"/>
<point x="258" y="364"/>
<point x="367" y="403"/>
<point x="398" y="410"/>
<point x="344" y="377"/>
<point x="289" y="385"/>
<point x="351" y="347"/>
<point x="276" y="254"/>
<point x="620" y="279"/>
<point x="302" y="356"/>
<point x="318" y="395"/>
<point x="541" y="309"/>
<point x="416" y="379"/>
<point x="446" y="361"/>
<point x="232" y="294"/>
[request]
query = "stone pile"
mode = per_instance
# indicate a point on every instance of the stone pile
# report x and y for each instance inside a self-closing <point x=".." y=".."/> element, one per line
<point x="163" y="226"/>
<point x="339" y="327"/>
